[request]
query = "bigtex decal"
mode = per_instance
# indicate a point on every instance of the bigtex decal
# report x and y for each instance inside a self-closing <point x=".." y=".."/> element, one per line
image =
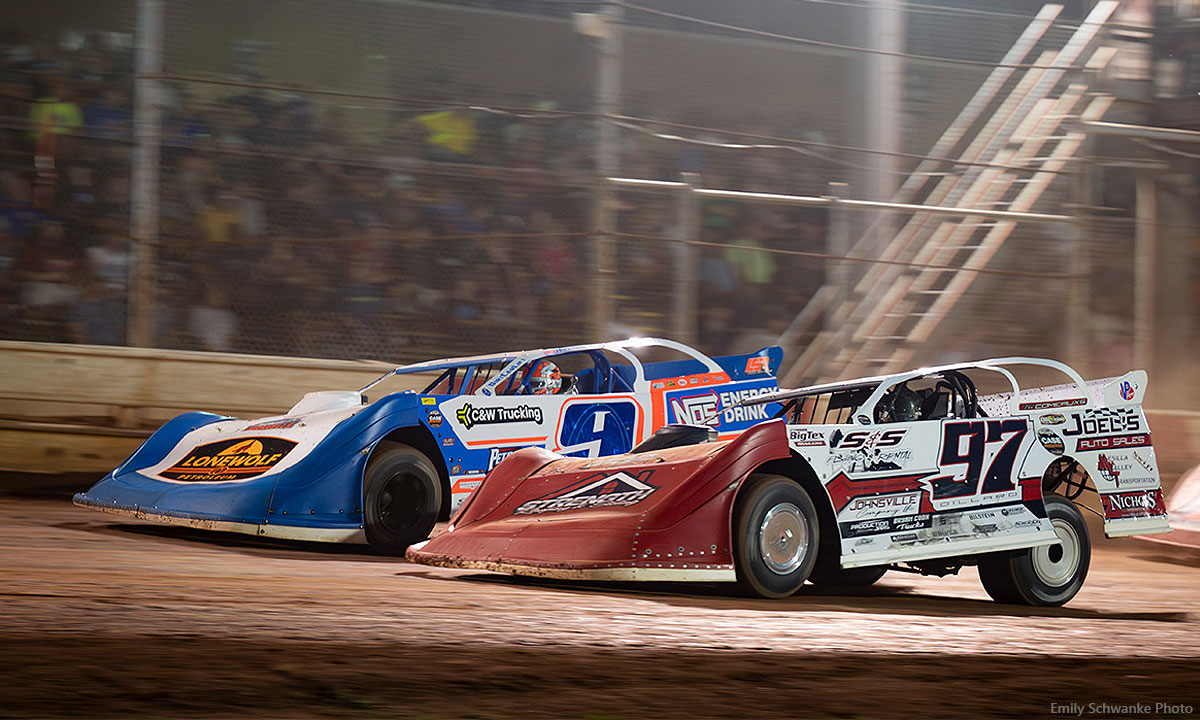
<point x="236" y="459"/>
<point x="698" y="409"/>
<point x="594" y="491"/>
<point x="471" y="415"/>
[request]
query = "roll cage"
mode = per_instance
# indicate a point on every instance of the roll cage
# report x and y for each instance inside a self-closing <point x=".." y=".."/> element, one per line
<point x="950" y="392"/>
<point x="506" y="373"/>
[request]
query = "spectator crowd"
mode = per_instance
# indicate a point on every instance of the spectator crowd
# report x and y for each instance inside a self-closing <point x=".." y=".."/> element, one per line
<point x="287" y="227"/>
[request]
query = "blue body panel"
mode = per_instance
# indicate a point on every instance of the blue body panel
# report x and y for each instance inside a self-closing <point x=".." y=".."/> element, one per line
<point x="323" y="488"/>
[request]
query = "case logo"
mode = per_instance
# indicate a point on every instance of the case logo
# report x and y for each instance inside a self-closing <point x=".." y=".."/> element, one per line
<point x="235" y="459"/>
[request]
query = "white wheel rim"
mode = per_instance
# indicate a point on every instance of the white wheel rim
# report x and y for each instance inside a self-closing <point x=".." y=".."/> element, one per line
<point x="1055" y="565"/>
<point x="783" y="539"/>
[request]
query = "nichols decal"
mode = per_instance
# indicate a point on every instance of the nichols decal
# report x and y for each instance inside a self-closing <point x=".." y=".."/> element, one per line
<point x="594" y="491"/>
<point x="236" y="459"/>
<point x="1145" y="503"/>
<point x="472" y="415"/>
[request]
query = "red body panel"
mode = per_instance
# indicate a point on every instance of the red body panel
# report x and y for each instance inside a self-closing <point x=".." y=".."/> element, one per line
<point x="662" y="509"/>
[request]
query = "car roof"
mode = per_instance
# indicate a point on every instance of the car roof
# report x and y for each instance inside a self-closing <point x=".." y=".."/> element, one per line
<point x="999" y="365"/>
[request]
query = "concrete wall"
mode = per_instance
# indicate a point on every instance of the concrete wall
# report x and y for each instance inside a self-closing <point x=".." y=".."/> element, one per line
<point x="79" y="408"/>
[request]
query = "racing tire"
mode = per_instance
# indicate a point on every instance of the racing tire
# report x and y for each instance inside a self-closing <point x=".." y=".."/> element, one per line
<point x="848" y="578"/>
<point x="402" y="496"/>
<point x="776" y="536"/>
<point x="1045" y="576"/>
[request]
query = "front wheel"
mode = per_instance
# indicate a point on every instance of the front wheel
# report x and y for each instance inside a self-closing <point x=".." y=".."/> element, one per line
<point x="402" y="495"/>
<point x="1049" y="575"/>
<point x="775" y="536"/>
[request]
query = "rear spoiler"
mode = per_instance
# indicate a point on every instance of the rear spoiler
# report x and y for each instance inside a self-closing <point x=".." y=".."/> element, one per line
<point x="1128" y="389"/>
<point x="754" y="365"/>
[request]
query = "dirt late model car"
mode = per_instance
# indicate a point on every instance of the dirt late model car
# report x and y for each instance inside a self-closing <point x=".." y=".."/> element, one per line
<point x="914" y="471"/>
<point x="340" y="468"/>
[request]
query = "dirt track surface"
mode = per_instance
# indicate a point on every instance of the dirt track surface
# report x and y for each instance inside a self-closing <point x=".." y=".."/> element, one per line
<point x="105" y="618"/>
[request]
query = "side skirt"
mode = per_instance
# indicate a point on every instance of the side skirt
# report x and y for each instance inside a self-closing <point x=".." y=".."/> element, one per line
<point x="282" y="532"/>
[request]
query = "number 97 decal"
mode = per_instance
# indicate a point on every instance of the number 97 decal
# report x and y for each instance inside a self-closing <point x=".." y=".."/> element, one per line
<point x="976" y="444"/>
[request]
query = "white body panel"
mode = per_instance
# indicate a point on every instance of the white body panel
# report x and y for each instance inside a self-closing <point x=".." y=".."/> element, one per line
<point x="947" y="487"/>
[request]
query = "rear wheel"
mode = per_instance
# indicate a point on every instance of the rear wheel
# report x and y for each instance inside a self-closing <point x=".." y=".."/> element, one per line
<point x="402" y="495"/>
<point x="775" y="536"/>
<point x="1047" y="575"/>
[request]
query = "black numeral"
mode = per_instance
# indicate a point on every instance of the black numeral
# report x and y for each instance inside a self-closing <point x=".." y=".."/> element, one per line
<point x="979" y="434"/>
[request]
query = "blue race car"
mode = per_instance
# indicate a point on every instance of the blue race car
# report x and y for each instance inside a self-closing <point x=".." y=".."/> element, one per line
<point x="339" y="467"/>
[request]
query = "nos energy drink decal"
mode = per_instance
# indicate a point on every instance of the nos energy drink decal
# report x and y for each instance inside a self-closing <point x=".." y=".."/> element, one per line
<point x="596" y="429"/>
<point x="700" y="405"/>
<point x="236" y="459"/>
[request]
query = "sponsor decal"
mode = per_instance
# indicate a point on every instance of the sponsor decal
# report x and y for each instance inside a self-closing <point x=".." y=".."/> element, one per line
<point x="595" y="491"/>
<point x="1142" y="461"/>
<point x="1119" y="470"/>
<point x="866" y="460"/>
<point x="498" y="454"/>
<point x="885" y="525"/>
<point x="1112" y="442"/>
<point x="1143" y="503"/>
<point x="234" y="459"/>
<point x="456" y="469"/>
<point x="434" y="418"/>
<point x="1127" y="389"/>
<point x="1051" y="441"/>
<point x="877" y="506"/>
<point x="988" y="515"/>
<point x="757" y="365"/>
<point x="1109" y="470"/>
<point x="804" y="437"/>
<point x="281" y="424"/>
<point x="428" y="401"/>
<point x="1103" y="421"/>
<point x="1051" y="404"/>
<point x="1053" y="419"/>
<point x="905" y="538"/>
<point x="447" y="442"/>
<point x="867" y="438"/>
<point x="698" y="409"/>
<point x="471" y="415"/>
<point x="1027" y="523"/>
<point x="658" y="385"/>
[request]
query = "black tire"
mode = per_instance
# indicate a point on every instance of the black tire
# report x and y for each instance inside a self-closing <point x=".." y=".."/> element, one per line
<point x="839" y="577"/>
<point x="402" y="496"/>
<point x="776" y="536"/>
<point x="1046" y="576"/>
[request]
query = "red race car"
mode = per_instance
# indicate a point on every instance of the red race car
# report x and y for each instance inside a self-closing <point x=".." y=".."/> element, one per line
<point x="913" y="471"/>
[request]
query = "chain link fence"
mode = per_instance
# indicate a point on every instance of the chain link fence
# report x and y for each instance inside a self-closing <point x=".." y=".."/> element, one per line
<point x="405" y="180"/>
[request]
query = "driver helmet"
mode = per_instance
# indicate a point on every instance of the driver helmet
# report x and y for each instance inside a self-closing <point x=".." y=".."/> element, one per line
<point x="546" y="379"/>
<point x="906" y="405"/>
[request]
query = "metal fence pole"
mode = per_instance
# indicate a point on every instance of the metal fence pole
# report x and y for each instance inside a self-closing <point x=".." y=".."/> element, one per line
<point x="683" y="324"/>
<point x="1144" y="285"/>
<point x="608" y="92"/>
<point x="1078" y="332"/>
<point x="144" y="173"/>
